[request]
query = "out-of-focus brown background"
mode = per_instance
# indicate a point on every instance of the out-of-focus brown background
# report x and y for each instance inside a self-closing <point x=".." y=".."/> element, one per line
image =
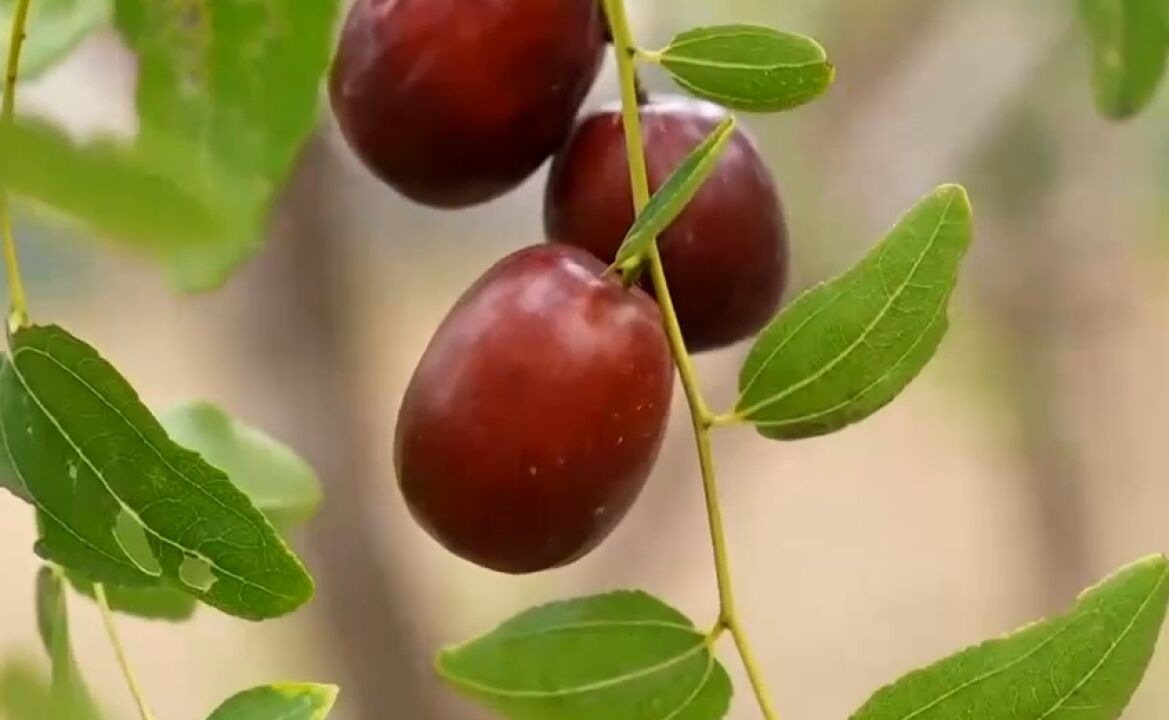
<point x="1030" y="459"/>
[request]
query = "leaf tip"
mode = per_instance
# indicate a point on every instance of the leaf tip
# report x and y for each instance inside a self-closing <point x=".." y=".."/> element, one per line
<point x="1158" y="563"/>
<point x="328" y="696"/>
<point x="953" y="190"/>
<point x="322" y="695"/>
<point x="439" y="663"/>
<point x="958" y="197"/>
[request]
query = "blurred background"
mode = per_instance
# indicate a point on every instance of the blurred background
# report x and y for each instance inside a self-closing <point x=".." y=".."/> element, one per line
<point x="1028" y="461"/>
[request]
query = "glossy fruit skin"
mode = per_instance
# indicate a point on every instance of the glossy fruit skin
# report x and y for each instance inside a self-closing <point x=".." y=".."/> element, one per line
<point x="536" y="413"/>
<point x="725" y="257"/>
<point x="455" y="102"/>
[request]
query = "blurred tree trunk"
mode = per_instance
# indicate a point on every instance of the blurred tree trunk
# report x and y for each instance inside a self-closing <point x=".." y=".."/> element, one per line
<point x="292" y="331"/>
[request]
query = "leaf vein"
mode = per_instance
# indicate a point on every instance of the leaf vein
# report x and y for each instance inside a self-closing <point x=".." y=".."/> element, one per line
<point x="937" y="315"/>
<point x="726" y="65"/>
<point x="581" y="689"/>
<point x="885" y="309"/>
<point x="158" y="453"/>
<point x="105" y="483"/>
<point x="988" y="675"/>
<point x="702" y="683"/>
<point x="1111" y="648"/>
<point x="40" y="506"/>
<point x="598" y="624"/>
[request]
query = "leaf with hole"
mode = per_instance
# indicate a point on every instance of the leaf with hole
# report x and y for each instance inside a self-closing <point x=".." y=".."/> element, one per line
<point x="674" y="195"/>
<point x="53" y="29"/>
<point x="118" y="500"/>
<point x="237" y="84"/>
<point x="284" y="701"/>
<point x="1130" y="44"/>
<point x="161" y="602"/>
<point x="847" y="347"/>
<point x="624" y="656"/>
<point x="1085" y="664"/>
<point x="748" y="67"/>
<point x="277" y="481"/>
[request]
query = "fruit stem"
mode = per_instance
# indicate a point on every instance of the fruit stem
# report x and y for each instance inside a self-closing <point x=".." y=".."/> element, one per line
<point x="18" y="317"/>
<point x="107" y="618"/>
<point x="700" y="415"/>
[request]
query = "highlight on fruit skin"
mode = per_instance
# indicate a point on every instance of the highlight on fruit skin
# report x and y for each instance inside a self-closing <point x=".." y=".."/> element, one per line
<point x="536" y="412"/>
<point x="456" y="102"/>
<point x="725" y="257"/>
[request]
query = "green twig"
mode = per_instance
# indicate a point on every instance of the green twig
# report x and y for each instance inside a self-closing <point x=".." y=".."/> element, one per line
<point x="107" y="618"/>
<point x="19" y="304"/>
<point x="701" y="417"/>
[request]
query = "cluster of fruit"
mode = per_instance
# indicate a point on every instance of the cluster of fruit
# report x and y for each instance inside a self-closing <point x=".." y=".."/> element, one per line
<point x="538" y="409"/>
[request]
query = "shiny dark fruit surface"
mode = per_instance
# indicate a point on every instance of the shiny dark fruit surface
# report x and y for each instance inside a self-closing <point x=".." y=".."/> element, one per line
<point x="725" y="257"/>
<point x="536" y="412"/>
<point x="455" y="102"/>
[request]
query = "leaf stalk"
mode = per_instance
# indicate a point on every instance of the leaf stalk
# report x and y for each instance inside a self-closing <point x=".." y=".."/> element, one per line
<point x="18" y="317"/>
<point x="702" y="419"/>
<point x="107" y="618"/>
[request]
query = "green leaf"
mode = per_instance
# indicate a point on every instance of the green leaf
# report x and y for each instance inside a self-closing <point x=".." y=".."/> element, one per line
<point x="847" y="347"/>
<point x="111" y="188"/>
<point x="8" y="479"/>
<point x="238" y="83"/>
<point x="152" y="603"/>
<point x="285" y="701"/>
<point x="53" y="29"/>
<point x="52" y="621"/>
<point x="1083" y="665"/>
<point x="122" y="503"/>
<point x="69" y="696"/>
<point x="1130" y="43"/>
<point x="276" y="480"/>
<point x="748" y="67"/>
<point x="673" y="196"/>
<point x="25" y="694"/>
<point x="622" y="656"/>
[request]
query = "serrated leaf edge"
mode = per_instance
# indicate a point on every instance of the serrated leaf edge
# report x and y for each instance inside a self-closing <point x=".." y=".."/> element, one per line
<point x="755" y="104"/>
<point x="575" y="689"/>
<point x="722" y="32"/>
<point x="1150" y="560"/>
<point x="939" y="315"/>
<point x="1111" y="648"/>
<point x="955" y="193"/>
<point x="594" y="624"/>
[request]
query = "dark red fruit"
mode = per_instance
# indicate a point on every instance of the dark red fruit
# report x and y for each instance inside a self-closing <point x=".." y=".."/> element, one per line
<point x="536" y="412"/>
<point x="455" y="102"/>
<point x="725" y="256"/>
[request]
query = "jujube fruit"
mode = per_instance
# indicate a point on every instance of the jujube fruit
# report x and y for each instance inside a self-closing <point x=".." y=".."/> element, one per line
<point x="726" y="255"/>
<point x="455" y="102"/>
<point x="536" y="412"/>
